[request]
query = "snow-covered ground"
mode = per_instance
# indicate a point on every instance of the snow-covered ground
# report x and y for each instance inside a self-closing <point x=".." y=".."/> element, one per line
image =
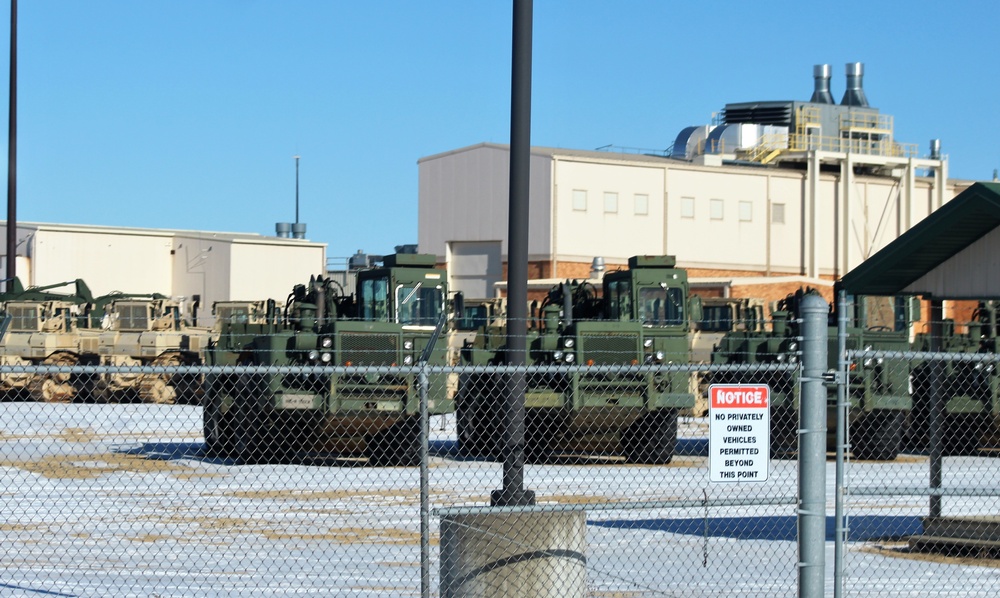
<point x="118" y="500"/>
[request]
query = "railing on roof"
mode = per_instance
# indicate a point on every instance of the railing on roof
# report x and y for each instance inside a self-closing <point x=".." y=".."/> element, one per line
<point x="617" y="149"/>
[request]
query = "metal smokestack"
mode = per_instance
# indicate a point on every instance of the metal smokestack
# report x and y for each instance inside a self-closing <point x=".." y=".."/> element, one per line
<point x="821" y="92"/>
<point x="935" y="149"/>
<point x="855" y="93"/>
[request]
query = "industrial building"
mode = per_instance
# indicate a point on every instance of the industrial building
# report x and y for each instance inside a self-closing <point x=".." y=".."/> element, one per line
<point x="183" y="264"/>
<point x="769" y="197"/>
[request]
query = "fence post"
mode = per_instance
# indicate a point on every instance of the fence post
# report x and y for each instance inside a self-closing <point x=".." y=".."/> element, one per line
<point x="843" y="371"/>
<point x="812" y="447"/>
<point x="425" y="512"/>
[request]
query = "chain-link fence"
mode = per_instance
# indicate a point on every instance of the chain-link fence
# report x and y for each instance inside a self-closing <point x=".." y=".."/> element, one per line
<point x="354" y="480"/>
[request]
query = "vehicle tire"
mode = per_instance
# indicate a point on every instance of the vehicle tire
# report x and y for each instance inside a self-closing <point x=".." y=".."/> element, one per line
<point x="784" y="438"/>
<point x="396" y="446"/>
<point x="878" y="436"/>
<point x="540" y="430"/>
<point x="963" y="433"/>
<point x="652" y="438"/>
<point x="478" y="430"/>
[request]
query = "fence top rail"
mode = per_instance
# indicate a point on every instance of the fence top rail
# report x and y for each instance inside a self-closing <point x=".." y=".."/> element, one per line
<point x="390" y="369"/>
<point x="923" y="355"/>
<point x="617" y="506"/>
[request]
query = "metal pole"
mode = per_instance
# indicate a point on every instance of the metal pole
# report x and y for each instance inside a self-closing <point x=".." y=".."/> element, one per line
<point x="936" y="412"/>
<point x="513" y="491"/>
<point x="425" y="508"/>
<point x="842" y="373"/>
<point x="812" y="447"/>
<point x="12" y="155"/>
<point x="296" y="189"/>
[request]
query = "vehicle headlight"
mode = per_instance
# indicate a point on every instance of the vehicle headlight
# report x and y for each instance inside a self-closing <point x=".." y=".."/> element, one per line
<point x="313" y="355"/>
<point x="408" y="345"/>
<point x="659" y="356"/>
<point x="780" y="357"/>
<point x="793" y="346"/>
<point x="569" y="358"/>
<point x="557" y="355"/>
<point x="407" y="360"/>
<point x="793" y="359"/>
<point x="568" y="343"/>
<point x="647" y="343"/>
<point x="326" y="342"/>
<point x="326" y="357"/>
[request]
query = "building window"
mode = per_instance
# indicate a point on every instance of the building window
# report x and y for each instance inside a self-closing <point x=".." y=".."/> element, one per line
<point x="579" y="200"/>
<point x="641" y="204"/>
<point x="610" y="202"/>
<point x="715" y="209"/>
<point x="746" y="211"/>
<point x="687" y="207"/>
<point x="777" y="213"/>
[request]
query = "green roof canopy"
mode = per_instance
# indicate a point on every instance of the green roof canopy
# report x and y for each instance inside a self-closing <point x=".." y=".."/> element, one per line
<point x="954" y="253"/>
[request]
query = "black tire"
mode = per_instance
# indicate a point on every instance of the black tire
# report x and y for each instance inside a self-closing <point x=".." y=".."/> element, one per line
<point x="652" y="438"/>
<point x="396" y="446"/>
<point x="238" y="431"/>
<point x="963" y="433"/>
<point x="540" y="430"/>
<point x="478" y="430"/>
<point x="877" y="436"/>
<point x="784" y="437"/>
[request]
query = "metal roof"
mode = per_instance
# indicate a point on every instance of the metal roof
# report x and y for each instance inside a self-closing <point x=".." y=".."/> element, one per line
<point x="951" y="254"/>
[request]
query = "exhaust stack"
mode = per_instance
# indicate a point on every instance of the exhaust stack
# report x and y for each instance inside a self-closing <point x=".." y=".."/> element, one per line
<point x="855" y="93"/>
<point x="821" y="93"/>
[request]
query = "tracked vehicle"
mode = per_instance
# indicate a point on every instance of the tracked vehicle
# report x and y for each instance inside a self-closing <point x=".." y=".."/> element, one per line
<point x="47" y="328"/>
<point x="641" y="318"/>
<point x="147" y="330"/>
<point x="390" y="321"/>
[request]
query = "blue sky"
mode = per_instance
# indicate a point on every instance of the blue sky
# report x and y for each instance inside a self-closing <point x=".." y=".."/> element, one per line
<point x="187" y="113"/>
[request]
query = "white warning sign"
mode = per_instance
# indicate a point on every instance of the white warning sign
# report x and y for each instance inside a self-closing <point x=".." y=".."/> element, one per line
<point x="739" y="432"/>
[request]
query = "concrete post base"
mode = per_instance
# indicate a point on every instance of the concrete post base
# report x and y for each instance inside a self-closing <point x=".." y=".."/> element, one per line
<point x="504" y="553"/>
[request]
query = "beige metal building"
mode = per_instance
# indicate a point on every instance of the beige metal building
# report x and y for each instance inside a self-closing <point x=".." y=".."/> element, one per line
<point x="798" y="203"/>
<point x="182" y="264"/>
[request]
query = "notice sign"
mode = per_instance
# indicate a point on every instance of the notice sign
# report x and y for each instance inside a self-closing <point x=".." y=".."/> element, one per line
<point x="739" y="432"/>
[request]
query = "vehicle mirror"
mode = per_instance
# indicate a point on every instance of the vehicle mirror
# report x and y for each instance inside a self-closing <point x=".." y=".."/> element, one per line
<point x="695" y="310"/>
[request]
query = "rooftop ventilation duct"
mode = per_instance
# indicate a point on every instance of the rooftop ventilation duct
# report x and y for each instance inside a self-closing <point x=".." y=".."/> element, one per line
<point x="283" y="229"/>
<point x="821" y="93"/>
<point x="855" y="94"/>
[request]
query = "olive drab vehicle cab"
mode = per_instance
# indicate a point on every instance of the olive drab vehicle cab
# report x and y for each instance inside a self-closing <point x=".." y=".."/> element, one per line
<point x="878" y="388"/>
<point x="641" y="318"/>
<point x="45" y="327"/>
<point x="970" y="389"/>
<point x="388" y="324"/>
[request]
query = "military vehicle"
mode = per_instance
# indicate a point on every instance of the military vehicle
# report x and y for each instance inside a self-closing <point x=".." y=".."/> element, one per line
<point x="721" y="315"/>
<point x="641" y="318"/>
<point x="47" y="328"/>
<point x="392" y="320"/>
<point x="970" y="389"/>
<point x="878" y="388"/>
<point x="147" y="330"/>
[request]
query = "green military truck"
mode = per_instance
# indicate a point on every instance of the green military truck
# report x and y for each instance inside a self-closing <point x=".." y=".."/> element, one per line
<point x="970" y="389"/>
<point x="878" y="393"/>
<point x="592" y="405"/>
<point x="255" y="414"/>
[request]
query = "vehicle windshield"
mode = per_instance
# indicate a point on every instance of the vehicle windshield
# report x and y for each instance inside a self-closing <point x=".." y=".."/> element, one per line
<point x="717" y="318"/>
<point x="132" y="316"/>
<point x="661" y="306"/>
<point x="883" y="313"/>
<point x="373" y="298"/>
<point x="23" y="319"/>
<point x="418" y="304"/>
